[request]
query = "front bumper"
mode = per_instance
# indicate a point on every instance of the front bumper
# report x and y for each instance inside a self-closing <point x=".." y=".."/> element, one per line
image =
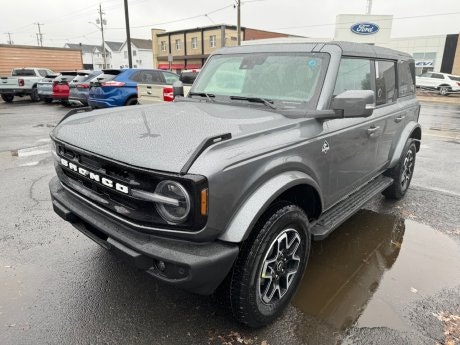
<point x="196" y="267"/>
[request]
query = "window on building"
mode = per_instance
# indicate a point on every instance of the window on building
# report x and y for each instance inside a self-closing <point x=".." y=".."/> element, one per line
<point x="177" y="44"/>
<point x="212" y="41"/>
<point x="406" y="78"/>
<point x="354" y="74"/>
<point x="194" y="42"/>
<point x="385" y="82"/>
<point x="163" y="46"/>
<point x="134" y="53"/>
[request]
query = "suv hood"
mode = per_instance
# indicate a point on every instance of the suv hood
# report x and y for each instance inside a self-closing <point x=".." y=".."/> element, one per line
<point x="163" y="136"/>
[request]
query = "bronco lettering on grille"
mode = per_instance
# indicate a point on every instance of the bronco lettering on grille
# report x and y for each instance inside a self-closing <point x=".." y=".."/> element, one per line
<point x="95" y="177"/>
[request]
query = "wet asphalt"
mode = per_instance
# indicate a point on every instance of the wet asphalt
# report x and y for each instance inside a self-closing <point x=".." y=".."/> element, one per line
<point x="389" y="275"/>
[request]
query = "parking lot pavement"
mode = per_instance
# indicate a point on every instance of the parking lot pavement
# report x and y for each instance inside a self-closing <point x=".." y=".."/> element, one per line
<point x="389" y="275"/>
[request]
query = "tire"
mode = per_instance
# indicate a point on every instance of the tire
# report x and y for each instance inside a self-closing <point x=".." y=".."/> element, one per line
<point x="8" y="98"/>
<point x="131" y="101"/>
<point x="47" y="100"/>
<point x="34" y="95"/>
<point x="444" y="90"/>
<point x="65" y="103"/>
<point x="260" y="287"/>
<point x="402" y="173"/>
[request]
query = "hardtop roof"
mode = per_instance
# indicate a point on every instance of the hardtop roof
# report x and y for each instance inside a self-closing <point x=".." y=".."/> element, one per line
<point x="347" y="48"/>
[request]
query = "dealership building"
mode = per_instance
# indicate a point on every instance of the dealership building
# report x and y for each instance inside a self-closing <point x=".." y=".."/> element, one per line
<point x="431" y="53"/>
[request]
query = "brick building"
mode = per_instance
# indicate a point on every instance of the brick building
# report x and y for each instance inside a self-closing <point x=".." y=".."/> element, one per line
<point x="190" y="48"/>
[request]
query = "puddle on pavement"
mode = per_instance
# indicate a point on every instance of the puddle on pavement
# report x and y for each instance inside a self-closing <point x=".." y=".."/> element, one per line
<point x="368" y="271"/>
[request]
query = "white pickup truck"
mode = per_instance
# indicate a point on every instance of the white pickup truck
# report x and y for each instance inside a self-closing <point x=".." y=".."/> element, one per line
<point x="161" y="90"/>
<point x="22" y="82"/>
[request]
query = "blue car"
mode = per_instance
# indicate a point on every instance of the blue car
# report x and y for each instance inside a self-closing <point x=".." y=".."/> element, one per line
<point x="118" y="87"/>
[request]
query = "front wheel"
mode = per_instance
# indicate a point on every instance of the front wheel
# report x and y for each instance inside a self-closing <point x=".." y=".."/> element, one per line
<point x="444" y="90"/>
<point x="402" y="172"/>
<point x="270" y="266"/>
<point x="8" y="98"/>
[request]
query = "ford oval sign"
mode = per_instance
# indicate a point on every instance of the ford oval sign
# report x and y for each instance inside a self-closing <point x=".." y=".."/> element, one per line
<point x="365" y="28"/>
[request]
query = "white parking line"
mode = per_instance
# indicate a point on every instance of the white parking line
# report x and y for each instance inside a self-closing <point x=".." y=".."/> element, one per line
<point x="33" y="151"/>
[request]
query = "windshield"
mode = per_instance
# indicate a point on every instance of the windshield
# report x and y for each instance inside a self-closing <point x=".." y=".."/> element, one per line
<point x="289" y="80"/>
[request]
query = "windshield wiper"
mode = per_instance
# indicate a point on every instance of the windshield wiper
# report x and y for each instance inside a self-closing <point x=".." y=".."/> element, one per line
<point x="209" y="96"/>
<point x="267" y="102"/>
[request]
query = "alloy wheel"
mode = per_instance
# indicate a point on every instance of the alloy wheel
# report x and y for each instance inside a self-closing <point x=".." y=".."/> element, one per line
<point x="408" y="169"/>
<point x="280" y="266"/>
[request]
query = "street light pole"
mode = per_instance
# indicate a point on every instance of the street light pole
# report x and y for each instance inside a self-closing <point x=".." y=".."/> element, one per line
<point x="128" y="35"/>
<point x="102" y="31"/>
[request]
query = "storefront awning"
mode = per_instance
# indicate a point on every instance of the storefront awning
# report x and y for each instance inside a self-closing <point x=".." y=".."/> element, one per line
<point x="193" y="66"/>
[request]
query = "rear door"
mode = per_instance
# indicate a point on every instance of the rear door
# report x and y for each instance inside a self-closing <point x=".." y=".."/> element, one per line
<point x="150" y="86"/>
<point x="388" y="115"/>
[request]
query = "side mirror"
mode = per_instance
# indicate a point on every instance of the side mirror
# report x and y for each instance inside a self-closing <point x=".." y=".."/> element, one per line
<point x="354" y="103"/>
<point x="178" y="89"/>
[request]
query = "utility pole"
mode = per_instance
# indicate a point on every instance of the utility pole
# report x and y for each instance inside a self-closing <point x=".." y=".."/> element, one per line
<point x="102" y="22"/>
<point x="369" y="7"/>
<point x="38" y="39"/>
<point x="128" y="35"/>
<point x="9" y="38"/>
<point x="238" y="21"/>
<point x="39" y="35"/>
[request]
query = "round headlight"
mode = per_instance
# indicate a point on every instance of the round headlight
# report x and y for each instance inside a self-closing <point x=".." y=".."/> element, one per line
<point x="171" y="213"/>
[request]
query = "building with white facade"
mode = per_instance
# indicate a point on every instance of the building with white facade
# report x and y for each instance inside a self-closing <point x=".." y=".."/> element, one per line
<point x="431" y="53"/>
<point x="142" y="55"/>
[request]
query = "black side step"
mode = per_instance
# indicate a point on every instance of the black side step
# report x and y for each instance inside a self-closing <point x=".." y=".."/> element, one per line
<point x="334" y="217"/>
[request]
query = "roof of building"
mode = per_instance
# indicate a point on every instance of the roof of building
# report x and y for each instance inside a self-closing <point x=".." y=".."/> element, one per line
<point x="141" y="43"/>
<point x="114" y="46"/>
<point x="213" y="27"/>
<point x="85" y="48"/>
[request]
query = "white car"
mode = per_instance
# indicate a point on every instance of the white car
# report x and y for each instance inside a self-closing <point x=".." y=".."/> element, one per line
<point x="445" y="83"/>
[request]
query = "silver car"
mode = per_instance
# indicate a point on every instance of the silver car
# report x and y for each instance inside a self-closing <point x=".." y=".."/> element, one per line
<point x="45" y="88"/>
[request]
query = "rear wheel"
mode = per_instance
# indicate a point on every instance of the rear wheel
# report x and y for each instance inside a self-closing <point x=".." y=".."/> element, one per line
<point x="8" y="98"/>
<point x="444" y="90"/>
<point x="402" y="172"/>
<point x="131" y="101"/>
<point x="47" y="100"/>
<point x="34" y="95"/>
<point x="270" y="266"/>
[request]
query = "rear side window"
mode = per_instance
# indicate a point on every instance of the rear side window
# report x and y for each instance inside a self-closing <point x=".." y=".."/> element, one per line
<point x="23" y="73"/>
<point x="385" y="82"/>
<point x="354" y="74"/>
<point x="107" y="76"/>
<point x="170" y="78"/>
<point x="437" y="76"/>
<point x="43" y="72"/>
<point x="406" y="77"/>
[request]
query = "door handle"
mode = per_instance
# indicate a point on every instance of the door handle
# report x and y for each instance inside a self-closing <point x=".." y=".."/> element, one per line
<point x="371" y="131"/>
<point x="149" y="92"/>
<point x="400" y="118"/>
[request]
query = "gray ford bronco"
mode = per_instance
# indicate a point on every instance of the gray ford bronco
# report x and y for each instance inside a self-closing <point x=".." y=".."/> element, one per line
<point x="274" y="146"/>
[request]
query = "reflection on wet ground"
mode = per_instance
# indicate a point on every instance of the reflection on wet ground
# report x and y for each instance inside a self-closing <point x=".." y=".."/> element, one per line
<point x="369" y="269"/>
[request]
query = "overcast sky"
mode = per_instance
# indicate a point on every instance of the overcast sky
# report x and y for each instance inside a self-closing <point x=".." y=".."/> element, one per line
<point x="67" y="21"/>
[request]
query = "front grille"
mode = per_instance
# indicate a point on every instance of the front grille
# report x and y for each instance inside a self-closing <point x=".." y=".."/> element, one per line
<point x="124" y="205"/>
